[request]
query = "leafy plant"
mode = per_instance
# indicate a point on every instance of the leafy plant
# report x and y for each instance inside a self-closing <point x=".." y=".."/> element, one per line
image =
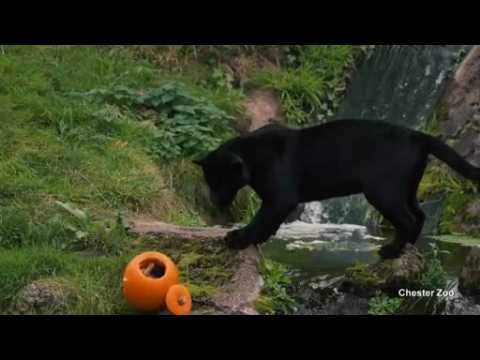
<point x="181" y="124"/>
<point x="221" y="77"/>
<point x="434" y="277"/>
<point x="87" y="234"/>
<point x="384" y="305"/>
<point x="275" y="298"/>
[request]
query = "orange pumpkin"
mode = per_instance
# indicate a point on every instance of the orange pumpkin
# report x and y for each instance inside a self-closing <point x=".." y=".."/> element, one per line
<point x="179" y="300"/>
<point x="147" y="280"/>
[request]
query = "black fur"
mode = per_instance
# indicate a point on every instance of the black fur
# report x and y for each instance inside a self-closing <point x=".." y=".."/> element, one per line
<point x="287" y="167"/>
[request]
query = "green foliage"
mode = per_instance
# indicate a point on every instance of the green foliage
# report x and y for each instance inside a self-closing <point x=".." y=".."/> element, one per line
<point x="300" y="91"/>
<point x="434" y="276"/>
<point x="440" y="179"/>
<point x="246" y="206"/>
<point x="181" y="124"/>
<point x="222" y="77"/>
<point x="362" y="275"/>
<point x="314" y="82"/>
<point x="384" y="305"/>
<point x="103" y="236"/>
<point x="459" y="193"/>
<point x="275" y="298"/>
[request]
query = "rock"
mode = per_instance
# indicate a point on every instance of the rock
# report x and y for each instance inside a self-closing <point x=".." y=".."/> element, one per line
<point x="469" y="219"/>
<point x="328" y="232"/>
<point x="473" y="210"/>
<point x="387" y="276"/>
<point x="239" y="296"/>
<point x="346" y="304"/>
<point x="462" y="99"/>
<point x="156" y="228"/>
<point x="465" y="145"/>
<point x="469" y="282"/>
<point x="262" y="108"/>
<point x="47" y="296"/>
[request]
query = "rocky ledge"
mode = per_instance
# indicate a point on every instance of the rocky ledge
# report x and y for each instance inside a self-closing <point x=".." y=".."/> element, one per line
<point x="388" y="276"/>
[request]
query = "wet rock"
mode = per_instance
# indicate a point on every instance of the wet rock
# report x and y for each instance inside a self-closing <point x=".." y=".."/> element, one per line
<point x="469" y="282"/>
<point x="320" y="296"/>
<point x="346" y="304"/>
<point x="45" y="296"/>
<point x="459" y="304"/>
<point x="387" y="276"/>
<point x="326" y="232"/>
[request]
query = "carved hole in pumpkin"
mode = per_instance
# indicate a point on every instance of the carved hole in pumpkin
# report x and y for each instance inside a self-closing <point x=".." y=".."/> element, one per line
<point x="153" y="268"/>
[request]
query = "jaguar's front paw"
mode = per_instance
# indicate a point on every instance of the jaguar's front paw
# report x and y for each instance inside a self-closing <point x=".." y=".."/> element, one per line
<point x="238" y="240"/>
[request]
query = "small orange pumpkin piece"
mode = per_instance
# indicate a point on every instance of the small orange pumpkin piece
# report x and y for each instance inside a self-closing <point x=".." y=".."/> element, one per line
<point x="147" y="279"/>
<point x="179" y="300"/>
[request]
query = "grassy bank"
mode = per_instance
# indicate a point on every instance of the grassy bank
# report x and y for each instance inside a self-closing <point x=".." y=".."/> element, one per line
<point x="94" y="135"/>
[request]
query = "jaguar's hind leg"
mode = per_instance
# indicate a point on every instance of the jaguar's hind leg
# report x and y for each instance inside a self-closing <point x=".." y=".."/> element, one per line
<point x="394" y="205"/>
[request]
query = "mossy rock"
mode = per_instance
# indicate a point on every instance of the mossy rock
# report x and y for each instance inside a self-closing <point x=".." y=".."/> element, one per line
<point x="469" y="282"/>
<point x="387" y="276"/>
<point x="45" y="296"/>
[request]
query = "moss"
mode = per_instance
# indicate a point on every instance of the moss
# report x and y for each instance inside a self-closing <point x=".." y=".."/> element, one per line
<point x="265" y="305"/>
<point x="439" y="179"/>
<point x="363" y="277"/>
<point x="205" y="266"/>
<point x="451" y="221"/>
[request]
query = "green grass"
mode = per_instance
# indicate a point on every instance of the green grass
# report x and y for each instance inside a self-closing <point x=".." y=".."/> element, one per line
<point x="95" y="281"/>
<point x="313" y="83"/>
<point x="59" y="148"/>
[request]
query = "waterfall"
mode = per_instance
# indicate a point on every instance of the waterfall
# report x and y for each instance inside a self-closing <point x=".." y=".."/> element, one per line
<point x="401" y="84"/>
